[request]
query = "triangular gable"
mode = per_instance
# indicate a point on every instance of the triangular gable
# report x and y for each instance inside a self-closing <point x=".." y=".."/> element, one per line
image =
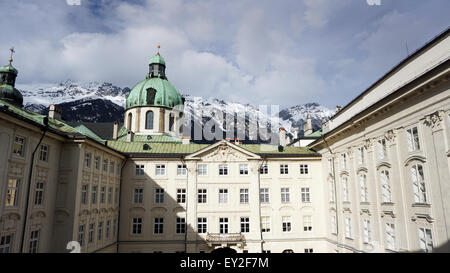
<point x="223" y="149"/>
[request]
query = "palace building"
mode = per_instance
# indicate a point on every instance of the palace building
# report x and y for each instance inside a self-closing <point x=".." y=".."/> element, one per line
<point x="376" y="178"/>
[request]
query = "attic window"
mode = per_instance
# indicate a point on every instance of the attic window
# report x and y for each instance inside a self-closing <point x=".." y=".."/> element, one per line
<point x="146" y="147"/>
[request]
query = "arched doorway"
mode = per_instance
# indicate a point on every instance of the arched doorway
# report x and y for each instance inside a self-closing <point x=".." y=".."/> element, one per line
<point x="224" y="251"/>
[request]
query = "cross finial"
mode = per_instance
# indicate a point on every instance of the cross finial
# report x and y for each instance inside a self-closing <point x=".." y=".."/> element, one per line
<point x="12" y="52"/>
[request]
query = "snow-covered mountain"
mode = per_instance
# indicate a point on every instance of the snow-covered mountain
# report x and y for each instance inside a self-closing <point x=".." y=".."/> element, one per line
<point x="103" y="102"/>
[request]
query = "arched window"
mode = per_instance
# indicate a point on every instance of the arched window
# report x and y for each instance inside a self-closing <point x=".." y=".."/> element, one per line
<point x="171" y="122"/>
<point x="418" y="180"/>
<point x="385" y="187"/>
<point x="149" y="120"/>
<point x="130" y="119"/>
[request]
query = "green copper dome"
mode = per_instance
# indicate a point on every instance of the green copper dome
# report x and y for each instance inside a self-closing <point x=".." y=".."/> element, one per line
<point x="157" y="59"/>
<point x="8" y="69"/>
<point x="8" y="93"/>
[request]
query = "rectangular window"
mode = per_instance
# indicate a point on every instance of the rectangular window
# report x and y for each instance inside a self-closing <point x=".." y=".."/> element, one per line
<point x="114" y="227"/>
<point x="386" y="194"/>
<point x="333" y="224"/>
<point x="418" y="179"/>
<point x="118" y="169"/>
<point x="285" y="196"/>
<point x="223" y="196"/>
<point x="43" y="153"/>
<point x="202" y="196"/>
<point x="425" y="240"/>
<point x="181" y="196"/>
<point x="345" y="195"/>
<point x="265" y="224"/>
<point x="108" y="227"/>
<point x="111" y="167"/>
<point x="110" y="190"/>
<point x="19" y="146"/>
<point x="306" y="196"/>
<point x="348" y="227"/>
<point x="181" y="225"/>
<point x="87" y="160"/>
<point x="12" y="194"/>
<point x="343" y="161"/>
<point x="137" y="226"/>
<point x="138" y="196"/>
<point x="382" y="149"/>
<point x="34" y="241"/>
<point x="364" y="194"/>
<point x="181" y="169"/>
<point x="360" y="155"/>
<point x="159" y="196"/>
<point x="202" y="225"/>
<point x="105" y="165"/>
<point x="160" y="169"/>
<point x="245" y="224"/>
<point x="284" y="169"/>
<point x="307" y="223"/>
<point x="81" y="235"/>
<point x="309" y="250"/>
<point x="39" y="194"/>
<point x="243" y="196"/>
<point x="91" y="233"/>
<point x="264" y="195"/>
<point x="264" y="169"/>
<point x="102" y="195"/>
<point x="84" y="194"/>
<point x="390" y="236"/>
<point x="139" y="170"/>
<point x="367" y="233"/>
<point x="243" y="169"/>
<point x="116" y="196"/>
<point x="304" y="169"/>
<point x="286" y="223"/>
<point x="97" y="163"/>
<point x="413" y="139"/>
<point x="223" y="169"/>
<point x="331" y="191"/>
<point x="94" y="195"/>
<point x="202" y="169"/>
<point x="100" y="231"/>
<point x="158" y="226"/>
<point x="223" y="225"/>
<point x="5" y="243"/>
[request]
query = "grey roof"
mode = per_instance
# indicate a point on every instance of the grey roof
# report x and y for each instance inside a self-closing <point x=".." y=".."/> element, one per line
<point x="101" y="129"/>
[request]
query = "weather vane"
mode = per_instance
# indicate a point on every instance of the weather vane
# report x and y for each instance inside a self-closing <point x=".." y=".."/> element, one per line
<point x="12" y="52"/>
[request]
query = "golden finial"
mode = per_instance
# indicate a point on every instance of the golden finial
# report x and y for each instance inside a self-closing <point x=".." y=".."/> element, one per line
<point x="12" y="52"/>
<point x="159" y="46"/>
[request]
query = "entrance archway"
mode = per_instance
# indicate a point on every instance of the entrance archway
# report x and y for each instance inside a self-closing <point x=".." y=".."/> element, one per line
<point x="224" y="251"/>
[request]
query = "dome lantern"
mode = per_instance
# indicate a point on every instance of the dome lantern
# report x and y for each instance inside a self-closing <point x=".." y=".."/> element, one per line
<point x="8" y="75"/>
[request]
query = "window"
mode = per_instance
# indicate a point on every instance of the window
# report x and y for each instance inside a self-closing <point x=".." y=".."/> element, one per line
<point x="307" y="223"/>
<point x="181" y="169"/>
<point x="223" y="225"/>
<point x="110" y="190"/>
<point x="111" y="167"/>
<point x="181" y="225"/>
<point x="364" y="195"/>
<point x="265" y="224"/>
<point x="114" y="227"/>
<point x="285" y="197"/>
<point x="245" y="224"/>
<point x="266" y="251"/>
<point x="202" y="225"/>
<point x="148" y="120"/>
<point x="413" y="139"/>
<point x="100" y="231"/>
<point x="138" y="196"/>
<point x="345" y="195"/>
<point x="116" y="196"/>
<point x="309" y="250"/>
<point x="417" y="177"/>
<point x="304" y="169"/>
<point x="343" y="161"/>
<point x="243" y="169"/>
<point x="382" y="149"/>
<point x="5" y="243"/>
<point x="159" y="196"/>
<point x="39" y="194"/>
<point x="87" y="160"/>
<point x="84" y="193"/>
<point x="34" y="241"/>
<point x="425" y="240"/>
<point x="331" y="191"/>
<point x="284" y="169"/>
<point x="160" y="169"/>
<point x="360" y="155"/>
<point x="139" y="170"/>
<point x="330" y="165"/>
<point x="348" y="227"/>
<point x="306" y="197"/>
<point x="91" y="233"/>
<point x="129" y="121"/>
<point x="264" y="169"/>
<point x="264" y="195"/>
<point x="102" y="195"/>
<point x="137" y="226"/>
<point x="97" y="163"/>
<point x="202" y="196"/>
<point x="367" y="233"/>
<point x="223" y="196"/>
<point x="202" y="169"/>
<point x="81" y="235"/>
<point x="333" y="224"/>
<point x="386" y="195"/>
<point x="158" y="226"/>
<point x="223" y="169"/>
<point x="171" y="122"/>
<point x="12" y="193"/>
<point x="108" y="227"/>
<point x="19" y="146"/>
<point x="118" y="169"/>
<point x="243" y="196"/>
<point x="286" y="223"/>
<point x="94" y="195"/>
<point x="43" y="153"/>
<point x="390" y="236"/>
<point x="181" y="196"/>
<point x="105" y="165"/>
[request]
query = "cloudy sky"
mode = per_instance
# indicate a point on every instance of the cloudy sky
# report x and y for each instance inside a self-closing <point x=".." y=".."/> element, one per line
<point x="255" y="51"/>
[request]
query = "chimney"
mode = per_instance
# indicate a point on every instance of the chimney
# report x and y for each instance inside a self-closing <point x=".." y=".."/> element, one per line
<point x="282" y="135"/>
<point x="55" y="112"/>
<point x="307" y="126"/>
<point x="185" y="139"/>
<point x="115" y="130"/>
<point x="130" y="136"/>
<point x="338" y="108"/>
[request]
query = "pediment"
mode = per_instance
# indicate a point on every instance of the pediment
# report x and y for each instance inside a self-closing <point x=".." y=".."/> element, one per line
<point x="223" y="151"/>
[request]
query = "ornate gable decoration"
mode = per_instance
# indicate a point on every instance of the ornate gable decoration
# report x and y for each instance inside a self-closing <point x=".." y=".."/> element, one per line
<point x="223" y="151"/>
